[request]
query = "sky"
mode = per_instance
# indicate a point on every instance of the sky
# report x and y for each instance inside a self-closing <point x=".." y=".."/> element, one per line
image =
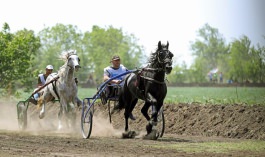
<point x="175" y="21"/>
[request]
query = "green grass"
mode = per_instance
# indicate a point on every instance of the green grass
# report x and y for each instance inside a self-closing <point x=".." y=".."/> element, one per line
<point x="217" y="147"/>
<point x="203" y="95"/>
<point x="215" y="95"/>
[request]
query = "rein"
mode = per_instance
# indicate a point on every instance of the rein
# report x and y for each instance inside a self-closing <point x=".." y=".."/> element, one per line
<point x="46" y="84"/>
<point x="161" y="62"/>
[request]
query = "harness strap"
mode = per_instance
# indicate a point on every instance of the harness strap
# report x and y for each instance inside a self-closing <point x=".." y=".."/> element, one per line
<point x="152" y="69"/>
<point x="54" y="89"/>
<point x="153" y="80"/>
<point x="138" y="75"/>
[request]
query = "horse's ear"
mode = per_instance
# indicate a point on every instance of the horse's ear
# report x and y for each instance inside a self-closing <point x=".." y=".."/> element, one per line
<point x="167" y="44"/>
<point x="159" y="45"/>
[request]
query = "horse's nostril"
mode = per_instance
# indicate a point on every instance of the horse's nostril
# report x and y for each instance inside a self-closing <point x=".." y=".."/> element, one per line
<point x="77" y="66"/>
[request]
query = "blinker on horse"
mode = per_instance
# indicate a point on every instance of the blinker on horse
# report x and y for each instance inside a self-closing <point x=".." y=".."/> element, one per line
<point x="64" y="88"/>
<point x="149" y="85"/>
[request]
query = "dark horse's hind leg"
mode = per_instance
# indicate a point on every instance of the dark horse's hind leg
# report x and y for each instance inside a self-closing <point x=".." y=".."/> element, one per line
<point x="127" y="112"/>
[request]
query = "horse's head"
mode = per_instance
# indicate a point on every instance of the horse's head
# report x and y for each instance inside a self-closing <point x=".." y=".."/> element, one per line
<point x="164" y="57"/>
<point x="73" y="61"/>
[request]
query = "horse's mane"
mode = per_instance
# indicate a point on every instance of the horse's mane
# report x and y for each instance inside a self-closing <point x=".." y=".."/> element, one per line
<point x="152" y="57"/>
<point x="65" y="54"/>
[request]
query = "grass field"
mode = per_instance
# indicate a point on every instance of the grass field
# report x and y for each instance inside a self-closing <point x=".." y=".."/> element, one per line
<point x="204" y="95"/>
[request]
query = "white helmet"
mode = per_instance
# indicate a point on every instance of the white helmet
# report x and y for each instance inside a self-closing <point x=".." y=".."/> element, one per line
<point x="49" y="67"/>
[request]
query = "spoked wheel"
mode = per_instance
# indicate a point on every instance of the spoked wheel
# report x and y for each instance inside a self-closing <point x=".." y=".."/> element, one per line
<point x="22" y="115"/>
<point x="160" y="122"/>
<point x="86" y="122"/>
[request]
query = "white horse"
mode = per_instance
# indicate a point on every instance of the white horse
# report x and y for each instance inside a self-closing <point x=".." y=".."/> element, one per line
<point x="64" y="89"/>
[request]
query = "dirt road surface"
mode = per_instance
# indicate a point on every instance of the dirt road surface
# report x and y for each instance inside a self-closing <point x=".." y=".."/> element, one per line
<point x="187" y="125"/>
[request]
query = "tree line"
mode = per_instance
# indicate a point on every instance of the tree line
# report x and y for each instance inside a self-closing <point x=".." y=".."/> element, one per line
<point x="238" y="61"/>
<point x="24" y="54"/>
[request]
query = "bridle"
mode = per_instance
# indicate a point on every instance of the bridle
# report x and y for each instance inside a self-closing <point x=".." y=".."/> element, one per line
<point x="166" y="59"/>
<point x="68" y="58"/>
<point x="161" y="63"/>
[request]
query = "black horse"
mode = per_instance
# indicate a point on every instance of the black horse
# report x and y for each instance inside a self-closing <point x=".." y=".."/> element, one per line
<point x="149" y="85"/>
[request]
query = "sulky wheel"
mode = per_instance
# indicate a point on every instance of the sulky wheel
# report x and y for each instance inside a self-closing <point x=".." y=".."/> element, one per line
<point x="86" y="123"/>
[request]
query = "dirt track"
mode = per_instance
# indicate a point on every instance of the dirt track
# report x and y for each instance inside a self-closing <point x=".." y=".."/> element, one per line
<point x="185" y="125"/>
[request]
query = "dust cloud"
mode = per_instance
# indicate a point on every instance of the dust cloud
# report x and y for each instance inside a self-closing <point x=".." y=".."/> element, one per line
<point x="49" y="124"/>
<point x="8" y="116"/>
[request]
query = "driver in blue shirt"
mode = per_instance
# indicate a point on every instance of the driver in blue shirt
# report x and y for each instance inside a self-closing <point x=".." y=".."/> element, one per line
<point x="116" y="69"/>
<point x="111" y="71"/>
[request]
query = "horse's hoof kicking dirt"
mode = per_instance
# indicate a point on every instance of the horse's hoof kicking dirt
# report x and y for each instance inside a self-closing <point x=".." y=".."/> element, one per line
<point x="129" y="134"/>
<point x="151" y="136"/>
<point x="41" y="115"/>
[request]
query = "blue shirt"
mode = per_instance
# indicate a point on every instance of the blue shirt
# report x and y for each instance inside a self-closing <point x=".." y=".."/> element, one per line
<point x="111" y="72"/>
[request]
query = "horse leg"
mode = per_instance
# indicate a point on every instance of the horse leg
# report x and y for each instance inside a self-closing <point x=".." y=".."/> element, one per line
<point x="152" y="102"/>
<point x="152" y="121"/>
<point x="42" y="112"/>
<point x="144" y="110"/>
<point x="60" y="114"/>
<point x="128" y="110"/>
<point x="127" y="133"/>
<point x="46" y="99"/>
<point x="151" y="126"/>
<point x="71" y="115"/>
<point x="131" y="107"/>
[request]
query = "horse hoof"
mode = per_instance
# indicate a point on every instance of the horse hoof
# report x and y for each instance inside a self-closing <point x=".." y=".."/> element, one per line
<point x="60" y="127"/>
<point x="148" y="128"/>
<point x="151" y="136"/>
<point x="41" y="115"/>
<point x="129" y="134"/>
